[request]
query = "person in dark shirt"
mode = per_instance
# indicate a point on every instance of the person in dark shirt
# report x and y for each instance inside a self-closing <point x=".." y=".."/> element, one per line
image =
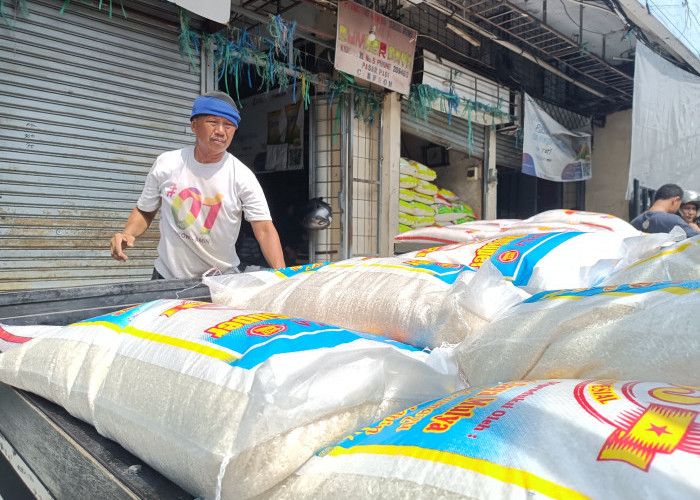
<point x="662" y="215"/>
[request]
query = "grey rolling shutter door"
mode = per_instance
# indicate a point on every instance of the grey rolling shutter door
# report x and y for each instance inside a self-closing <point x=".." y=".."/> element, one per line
<point x="509" y="151"/>
<point x="439" y="129"/>
<point x="87" y="103"/>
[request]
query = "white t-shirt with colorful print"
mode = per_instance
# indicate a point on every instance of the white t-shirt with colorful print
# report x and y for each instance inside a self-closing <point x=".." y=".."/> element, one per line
<point x="202" y="205"/>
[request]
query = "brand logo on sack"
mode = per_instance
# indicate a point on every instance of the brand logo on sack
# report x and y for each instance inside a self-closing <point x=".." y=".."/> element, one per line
<point x="226" y="327"/>
<point x="650" y="428"/>
<point x="485" y="252"/>
<point x="508" y="256"/>
<point x="267" y="330"/>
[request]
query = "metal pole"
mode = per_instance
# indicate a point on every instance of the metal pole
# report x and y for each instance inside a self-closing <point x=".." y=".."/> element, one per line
<point x="342" y="195"/>
<point x="313" y="147"/>
<point x="350" y="129"/>
<point x="380" y="160"/>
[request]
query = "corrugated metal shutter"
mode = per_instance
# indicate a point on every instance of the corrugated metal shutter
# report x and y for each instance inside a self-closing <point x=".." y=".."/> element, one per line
<point x="509" y="151"/>
<point x="439" y="129"/>
<point x="88" y="102"/>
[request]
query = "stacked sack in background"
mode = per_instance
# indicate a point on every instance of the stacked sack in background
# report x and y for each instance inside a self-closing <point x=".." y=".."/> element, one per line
<point x="549" y="260"/>
<point x="224" y="402"/>
<point x="423" y="204"/>
<point x="551" y="220"/>
<point x="568" y="439"/>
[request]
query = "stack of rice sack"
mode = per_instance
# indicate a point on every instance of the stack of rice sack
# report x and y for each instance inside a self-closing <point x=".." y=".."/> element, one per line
<point x="410" y="300"/>
<point x="224" y="402"/>
<point x="552" y="220"/>
<point x="422" y="203"/>
<point x="551" y="260"/>
<point x="568" y="439"/>
<point x="449" y="210"/>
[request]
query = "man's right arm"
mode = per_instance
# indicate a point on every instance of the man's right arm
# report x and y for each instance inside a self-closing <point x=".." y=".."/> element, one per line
<point x="136" y="225"/>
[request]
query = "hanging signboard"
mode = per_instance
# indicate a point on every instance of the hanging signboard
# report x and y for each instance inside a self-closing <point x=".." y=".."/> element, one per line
<point x="374" y="47"/>
<point x="550" y="150"/>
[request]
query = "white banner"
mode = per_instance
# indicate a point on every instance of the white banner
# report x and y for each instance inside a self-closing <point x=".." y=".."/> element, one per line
<point x="216" y="10"/>
<point x="550" y="150"/>
<point x="665" y="124"/>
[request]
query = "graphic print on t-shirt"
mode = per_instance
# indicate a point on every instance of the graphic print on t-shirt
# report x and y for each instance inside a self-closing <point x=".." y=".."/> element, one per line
<point x="210" y="212"/>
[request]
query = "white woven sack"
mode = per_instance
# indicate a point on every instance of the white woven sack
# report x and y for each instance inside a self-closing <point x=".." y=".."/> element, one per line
<point x="409" y="300"/>
<point x="676" y="262"/>
<point x="480" y="230"/>
<point x="594" y="220"/>
<point x="228" y="288"/>
<point x="15" y="335"/>
<point x="640" y="331"/>
<point x="224" y="402"/>
<point x="568" y="439"/>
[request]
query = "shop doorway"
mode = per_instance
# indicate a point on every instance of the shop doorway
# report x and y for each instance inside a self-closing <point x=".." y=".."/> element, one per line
<point x="521" y="196"/>
<point x="272" y="141"/>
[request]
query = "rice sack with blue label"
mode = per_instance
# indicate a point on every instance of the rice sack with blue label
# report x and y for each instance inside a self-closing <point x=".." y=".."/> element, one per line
<point x="415" y="301"/>
<point x="643" y="331"/>
<point x="224" y="402"/>
<point x="550" y="260"/>
<point x="568" y="439"/>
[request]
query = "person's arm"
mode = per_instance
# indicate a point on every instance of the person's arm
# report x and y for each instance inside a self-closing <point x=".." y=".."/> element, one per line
<point x="136" y="225"/>
<point x="269" y="240"/>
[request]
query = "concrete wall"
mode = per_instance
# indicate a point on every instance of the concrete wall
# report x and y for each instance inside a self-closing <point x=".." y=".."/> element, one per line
<point x="455" y="178"/>
<point x="610" y="158"/>
<point x="391" y="154"/>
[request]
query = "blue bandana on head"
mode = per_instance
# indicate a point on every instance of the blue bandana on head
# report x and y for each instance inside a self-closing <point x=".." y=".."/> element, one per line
<point x="206" y="105"/>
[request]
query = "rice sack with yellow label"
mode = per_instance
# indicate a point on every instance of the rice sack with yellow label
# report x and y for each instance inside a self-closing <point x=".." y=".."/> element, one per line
<point x="415" y="301"/>
<point x="568" y="439"/>
<point x="645" y="331"/>
<point x="224" y="402"/>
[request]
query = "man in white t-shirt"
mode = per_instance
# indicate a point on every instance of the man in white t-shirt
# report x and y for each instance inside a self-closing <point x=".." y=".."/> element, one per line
<point x="204" y="192"/>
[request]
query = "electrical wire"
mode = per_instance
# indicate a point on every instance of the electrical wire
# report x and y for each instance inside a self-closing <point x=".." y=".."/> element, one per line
<point x="680" y="32"/>
<point x="577" y="24"/>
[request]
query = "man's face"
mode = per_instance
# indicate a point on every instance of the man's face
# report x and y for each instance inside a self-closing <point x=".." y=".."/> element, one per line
<point x="688" y="211"/>
<point x="214" y="133"/>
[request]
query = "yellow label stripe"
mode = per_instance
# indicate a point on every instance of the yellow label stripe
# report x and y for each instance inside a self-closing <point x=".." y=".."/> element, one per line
<point x="205" y="350"/>
<point x="662" y="254"/>
<point x="387" y="266"/>
<point x="676" y="290"/>
<point x="509" y="475"/>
